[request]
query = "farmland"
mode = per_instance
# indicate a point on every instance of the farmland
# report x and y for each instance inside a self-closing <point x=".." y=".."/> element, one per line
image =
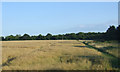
<point x="59" y="55"/>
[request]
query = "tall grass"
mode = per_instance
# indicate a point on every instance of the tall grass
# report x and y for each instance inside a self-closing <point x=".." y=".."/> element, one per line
<point x="52" y="55"/>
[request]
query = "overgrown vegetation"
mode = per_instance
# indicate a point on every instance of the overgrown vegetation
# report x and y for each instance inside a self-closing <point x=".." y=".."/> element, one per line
<point x="57" y="55"/>
<point x="111" y="34"/>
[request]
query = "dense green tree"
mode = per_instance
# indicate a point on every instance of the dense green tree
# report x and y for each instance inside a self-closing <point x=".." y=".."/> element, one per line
<point x="43" y="38"/>
<point x="118" y="32"/>
<point x="80" y="36"/>
<point x="33" y="37"/>
<point x="11" y="37"/>
<point x="54" y="37"/>
<point x="72" y="36"/>
<point x="48" y="36"/>
<point x="39" y="37"/>
<point x="111" y="34"/>
<point x="2" y="38"/>
<point x="25" y="37"/>
<point x="17" y="37"/>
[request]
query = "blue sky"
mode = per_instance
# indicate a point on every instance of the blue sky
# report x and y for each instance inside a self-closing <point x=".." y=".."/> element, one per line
<point x="57" y="17"/>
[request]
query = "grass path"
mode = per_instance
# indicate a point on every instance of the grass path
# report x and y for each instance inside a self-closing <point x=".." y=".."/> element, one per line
<point x="113" y="59"/>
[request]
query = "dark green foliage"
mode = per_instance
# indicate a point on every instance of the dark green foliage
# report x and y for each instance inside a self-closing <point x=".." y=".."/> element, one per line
<point x="11" y="37"/>
<point x="2" y="38"/>
<point x="39" y="37"/>
<point x="25" y="37"/>
<point x="48" y="36"/>
<point x="17" y="37"/>
<point x="111" y="34"/>
<point x="34" y="37"/>
<point x="118" y="32"/>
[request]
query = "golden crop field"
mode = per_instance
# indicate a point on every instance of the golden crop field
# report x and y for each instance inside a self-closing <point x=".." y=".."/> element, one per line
<point x="54" y="55"/>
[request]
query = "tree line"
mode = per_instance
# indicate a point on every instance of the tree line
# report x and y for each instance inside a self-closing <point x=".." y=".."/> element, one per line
<point x="112" y="33"/>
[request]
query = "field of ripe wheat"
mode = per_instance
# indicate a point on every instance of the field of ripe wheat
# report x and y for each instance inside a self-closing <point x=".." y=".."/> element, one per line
<point x="53" y="55"/>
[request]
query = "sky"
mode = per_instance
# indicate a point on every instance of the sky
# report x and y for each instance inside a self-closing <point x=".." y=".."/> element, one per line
<point x="36" y="18"/>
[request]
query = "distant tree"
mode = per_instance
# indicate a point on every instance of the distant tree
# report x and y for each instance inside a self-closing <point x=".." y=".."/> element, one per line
<point x="43" y="38"/>
<point x="39" y="37"/>
<point x="2" y="38"/>
<point x="118" y="32"/>
<point x="111" y="33"/>
<point x="34" y="38"/>
<point x="17" y="37"/>
<point x="11" y="37"/>
<point x="54" y="37"/>
<point x="48" y="36"/>
<point x="73" y="36"/>
<point x="111" y="29"/>
<point x="60" y="37"/>
<point x="80" y="36"/>
<point x="25" y="37"/>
